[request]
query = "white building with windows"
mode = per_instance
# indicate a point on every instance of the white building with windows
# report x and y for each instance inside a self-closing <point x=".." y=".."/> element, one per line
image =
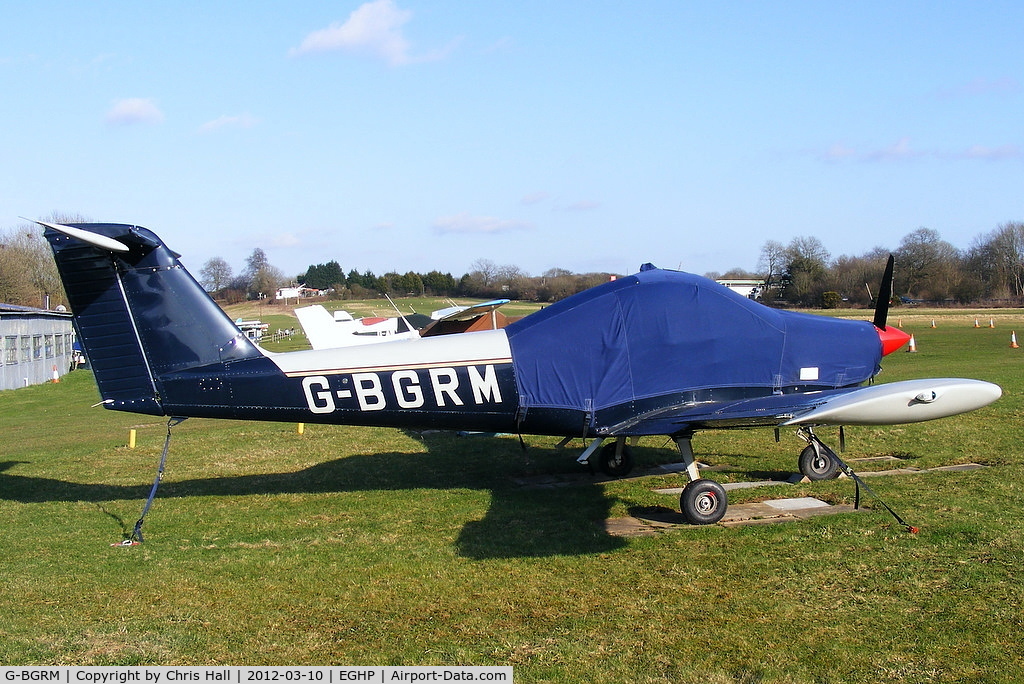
<point x="747" y="287"/>
<point x="34" y="344"/>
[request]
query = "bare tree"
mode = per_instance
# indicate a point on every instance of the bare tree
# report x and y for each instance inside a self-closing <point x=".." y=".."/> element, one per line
<point x="770" y="264"/>
<point x="28" y="274"/>
<point x="805" y="272"/>
<point x="215" y="274"/>
<point x="927" y="265"/>
<point x="262" y="278"/>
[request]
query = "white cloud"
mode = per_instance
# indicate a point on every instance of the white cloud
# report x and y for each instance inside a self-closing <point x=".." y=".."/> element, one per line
<point x="374" y="28"/>
<point x="993" y="153"/>
<point x="284" y="240"/>
<point x="466" y="223"/>
<point x="134" y="110"/>
<point x="839" y="152"/>
<point x="902" y="150"/>
<point x="240" y="121"/>
<point x="534" y="198"/>
<point x="981" y="87"/>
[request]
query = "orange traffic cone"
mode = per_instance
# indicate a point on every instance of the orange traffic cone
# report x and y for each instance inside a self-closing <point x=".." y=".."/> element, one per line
<point x="1013" y="340"/>
<point x="991" y="323"/>
<point x="912" y="346"/>
<point x="933" y="322"/>
<point x="976" y="324"/>
<point x="56" y="376"/>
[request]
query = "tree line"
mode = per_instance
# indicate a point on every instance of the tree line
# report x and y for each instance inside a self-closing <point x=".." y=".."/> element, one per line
<point x="485" y="279"/>
<point x="801" y="273"/>
<point x="928" y="269"/>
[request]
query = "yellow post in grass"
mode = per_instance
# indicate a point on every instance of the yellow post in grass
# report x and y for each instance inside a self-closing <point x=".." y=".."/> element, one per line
<point x="131" y="439"/>
<point x="301" y="428"/>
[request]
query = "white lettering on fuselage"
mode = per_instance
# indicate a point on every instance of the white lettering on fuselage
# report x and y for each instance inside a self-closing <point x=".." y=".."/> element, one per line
<point x="368" y="391"/>
<point x="407" y="389"/>
<point x="408" y="392"/>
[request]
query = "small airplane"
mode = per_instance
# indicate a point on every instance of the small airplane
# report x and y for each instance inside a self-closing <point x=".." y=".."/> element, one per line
<point x="327" y="331"/>
<point x="331" y="331"/>
<point x="659" y="352"/>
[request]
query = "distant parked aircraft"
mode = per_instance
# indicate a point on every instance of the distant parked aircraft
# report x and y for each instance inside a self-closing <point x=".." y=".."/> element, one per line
<point x="326" y="331"/>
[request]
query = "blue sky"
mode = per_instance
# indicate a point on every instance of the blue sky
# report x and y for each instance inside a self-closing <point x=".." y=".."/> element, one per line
<point x="593" y="136"/>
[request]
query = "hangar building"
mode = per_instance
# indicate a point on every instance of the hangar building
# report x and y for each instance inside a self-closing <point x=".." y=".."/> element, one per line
<point x="33" y="343"/>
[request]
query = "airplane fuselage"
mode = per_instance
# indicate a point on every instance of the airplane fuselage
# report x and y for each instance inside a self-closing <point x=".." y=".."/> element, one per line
<point x="460" y="382"/>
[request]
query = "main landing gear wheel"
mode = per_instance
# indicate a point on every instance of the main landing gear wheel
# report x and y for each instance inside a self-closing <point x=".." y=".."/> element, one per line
<point x="614" y="463"/>
<point x="817" y="464"/>
<point x="703" y="502"/>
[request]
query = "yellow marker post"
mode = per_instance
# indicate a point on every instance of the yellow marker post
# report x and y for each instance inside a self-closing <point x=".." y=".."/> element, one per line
<point x="131" y="439"/>
<point x="301" y="428"/>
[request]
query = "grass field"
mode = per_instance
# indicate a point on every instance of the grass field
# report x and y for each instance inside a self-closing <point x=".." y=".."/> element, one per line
<point x="376" y="546"/>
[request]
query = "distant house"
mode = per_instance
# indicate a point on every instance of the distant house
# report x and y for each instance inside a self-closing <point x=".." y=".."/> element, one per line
<point x="299" y="291"/>
<point x="254" y="330"/>
<point x="291" y="292"/>
<point x="747" y="287"/>
<point x="35" y="345"/>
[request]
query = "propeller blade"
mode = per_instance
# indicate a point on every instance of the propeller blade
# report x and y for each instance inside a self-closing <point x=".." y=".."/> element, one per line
<point x="884" y="295"/>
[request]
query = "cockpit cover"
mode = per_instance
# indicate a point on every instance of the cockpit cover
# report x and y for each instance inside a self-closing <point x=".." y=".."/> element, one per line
<point x="664" y="332"/>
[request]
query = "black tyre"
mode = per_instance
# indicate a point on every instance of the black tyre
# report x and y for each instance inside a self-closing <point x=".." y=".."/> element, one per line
<point x="616" y="466"/>
<point x="703" y="502"/>
<point x="817" y="464"/>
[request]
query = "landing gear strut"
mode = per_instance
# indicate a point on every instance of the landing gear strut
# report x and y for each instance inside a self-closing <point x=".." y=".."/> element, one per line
<point x="703" y="501"/>
<point x="616" y="459"/>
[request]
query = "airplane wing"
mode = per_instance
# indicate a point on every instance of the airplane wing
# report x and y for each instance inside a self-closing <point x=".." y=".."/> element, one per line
<point x="473" y="310"/>
<point x="909" y="401"/>
<point x="462" y="313"/>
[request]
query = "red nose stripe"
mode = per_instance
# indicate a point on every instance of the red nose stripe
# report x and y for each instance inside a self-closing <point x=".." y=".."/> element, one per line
<point x="892" y="339"/>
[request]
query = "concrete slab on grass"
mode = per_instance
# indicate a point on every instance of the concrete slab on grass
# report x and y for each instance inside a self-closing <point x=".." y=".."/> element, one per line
<point x="658" y="520"/>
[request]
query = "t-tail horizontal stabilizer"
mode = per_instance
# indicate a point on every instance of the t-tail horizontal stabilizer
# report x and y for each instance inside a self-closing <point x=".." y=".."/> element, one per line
<point x="88" y="237"/>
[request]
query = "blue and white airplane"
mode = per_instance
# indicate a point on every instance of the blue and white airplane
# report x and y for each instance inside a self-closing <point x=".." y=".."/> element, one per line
<point x="655" y="353"/>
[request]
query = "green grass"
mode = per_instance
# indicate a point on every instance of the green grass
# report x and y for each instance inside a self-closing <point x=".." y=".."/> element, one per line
<point x="374" y="546"/>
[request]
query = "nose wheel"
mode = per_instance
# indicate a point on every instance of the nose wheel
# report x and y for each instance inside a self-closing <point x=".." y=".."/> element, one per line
<point x="817" y="461"/>
<point x="817" y="464"/>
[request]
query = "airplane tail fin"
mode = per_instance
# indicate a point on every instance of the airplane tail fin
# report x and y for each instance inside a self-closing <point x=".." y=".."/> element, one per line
<point x="139" y="314"/>
<point x="319" y="326"/>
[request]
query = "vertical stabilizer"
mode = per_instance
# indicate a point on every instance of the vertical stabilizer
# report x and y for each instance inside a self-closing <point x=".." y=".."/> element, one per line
<point x="140" y="315"/>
